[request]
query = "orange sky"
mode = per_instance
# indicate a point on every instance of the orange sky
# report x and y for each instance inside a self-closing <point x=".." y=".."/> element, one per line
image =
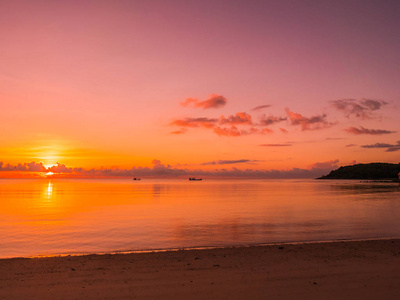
<point x="190" y="85"/>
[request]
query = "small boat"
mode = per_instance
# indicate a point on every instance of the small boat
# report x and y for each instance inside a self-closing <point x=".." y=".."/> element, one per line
<point x="136" y="178"/>
<point x="195" y="179"/>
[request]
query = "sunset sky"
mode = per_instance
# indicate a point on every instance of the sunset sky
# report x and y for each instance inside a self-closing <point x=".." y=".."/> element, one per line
<point x="198" y="85"/>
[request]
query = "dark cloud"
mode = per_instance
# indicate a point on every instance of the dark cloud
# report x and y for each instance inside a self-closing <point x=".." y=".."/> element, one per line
<point x="388" y="147"/>
<point x="358" y="108"/>
<point x="60" y="168"/>
<point x="195" y="122"/>
<point x="215" y="101"/>
<point x="26" y="167"/>
<point x="373" y="104"/>
<point x="260" y="107"/>
<point x="350" y="145"/>
<point x="311" y="123"/>
<point x="38" y="167"/>
<point x="275" y="145"/>
<point x="363" y="130"/>
<point x="160" y="170"/>
<point x="283" y="130"/>
<point x="228" y="162"/>
<point x="265" y="121"/>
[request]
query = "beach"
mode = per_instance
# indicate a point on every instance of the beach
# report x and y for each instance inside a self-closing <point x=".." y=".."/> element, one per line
<point x="331" y="270"/>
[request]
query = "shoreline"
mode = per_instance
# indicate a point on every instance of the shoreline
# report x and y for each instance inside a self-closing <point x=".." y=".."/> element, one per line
<point x="161" y="250"/>
<point x="367" y="269"/>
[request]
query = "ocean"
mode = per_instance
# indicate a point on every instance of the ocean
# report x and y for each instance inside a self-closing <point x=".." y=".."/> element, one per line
<point x="79" y="216"/>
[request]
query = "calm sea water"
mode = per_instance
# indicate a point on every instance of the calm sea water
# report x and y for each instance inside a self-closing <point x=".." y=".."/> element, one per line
<point x="46" y="217"/>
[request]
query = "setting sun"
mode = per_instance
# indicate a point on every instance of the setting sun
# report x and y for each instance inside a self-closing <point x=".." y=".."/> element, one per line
<point x="49" y="165"/>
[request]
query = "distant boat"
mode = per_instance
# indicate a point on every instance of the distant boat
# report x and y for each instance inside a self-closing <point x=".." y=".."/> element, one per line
<point x="136" y="178"/>
<point x="195" y="179"/>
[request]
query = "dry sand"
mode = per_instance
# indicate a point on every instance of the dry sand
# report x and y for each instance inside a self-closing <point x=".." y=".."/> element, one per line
<point x="339" y="270"/>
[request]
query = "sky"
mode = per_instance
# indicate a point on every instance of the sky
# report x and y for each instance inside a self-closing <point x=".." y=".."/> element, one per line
<point x="254" y="88"/>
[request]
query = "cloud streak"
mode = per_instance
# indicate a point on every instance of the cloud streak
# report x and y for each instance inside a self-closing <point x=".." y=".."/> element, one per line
<point x="275" y="145"/>
<point x="362" y="130"/>
<point x="195" y="122"/>
<point x="388" y="147"/>
<point x="228" y="162"/>
<point x="215" y="101"/>
<point x="26" y="167"/>
<point x="234" y="131"/>
<point x="257" y="108"/>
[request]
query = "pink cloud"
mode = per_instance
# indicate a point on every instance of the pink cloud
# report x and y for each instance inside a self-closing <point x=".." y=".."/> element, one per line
<point x="234" y="131"/>
<point x="332" y="164"/>
<point x="240" y="118"/>
<point x="217" y="125"/>
<point x="312" y="123"/>
<point x="260" y="131"/>
<point x="215" y="101"/>
<point x="363" y="130"/>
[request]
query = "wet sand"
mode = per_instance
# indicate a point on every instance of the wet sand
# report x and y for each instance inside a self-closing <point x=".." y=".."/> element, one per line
<point x="339" y="270"/>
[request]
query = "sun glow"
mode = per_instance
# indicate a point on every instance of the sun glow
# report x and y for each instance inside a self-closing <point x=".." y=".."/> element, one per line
<point x="47" y="165"/>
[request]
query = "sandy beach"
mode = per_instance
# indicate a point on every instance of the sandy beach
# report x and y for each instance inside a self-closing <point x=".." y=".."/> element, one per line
<point x="336" y="270"/>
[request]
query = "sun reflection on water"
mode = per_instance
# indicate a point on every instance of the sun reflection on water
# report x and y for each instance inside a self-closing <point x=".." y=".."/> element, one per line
<point x="49" y="191"/>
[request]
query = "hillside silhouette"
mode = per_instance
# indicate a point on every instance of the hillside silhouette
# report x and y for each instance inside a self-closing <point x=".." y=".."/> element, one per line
<point x="371" y="171"/>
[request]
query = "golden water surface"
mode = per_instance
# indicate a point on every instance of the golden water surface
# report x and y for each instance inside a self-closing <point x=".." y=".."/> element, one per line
<point x="60" y="216"/>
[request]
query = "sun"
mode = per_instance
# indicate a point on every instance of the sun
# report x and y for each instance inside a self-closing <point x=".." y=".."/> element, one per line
<point x="48" y="166"/>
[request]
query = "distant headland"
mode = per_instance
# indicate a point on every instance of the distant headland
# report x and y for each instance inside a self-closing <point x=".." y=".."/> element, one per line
<point x="372" y="171"/>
